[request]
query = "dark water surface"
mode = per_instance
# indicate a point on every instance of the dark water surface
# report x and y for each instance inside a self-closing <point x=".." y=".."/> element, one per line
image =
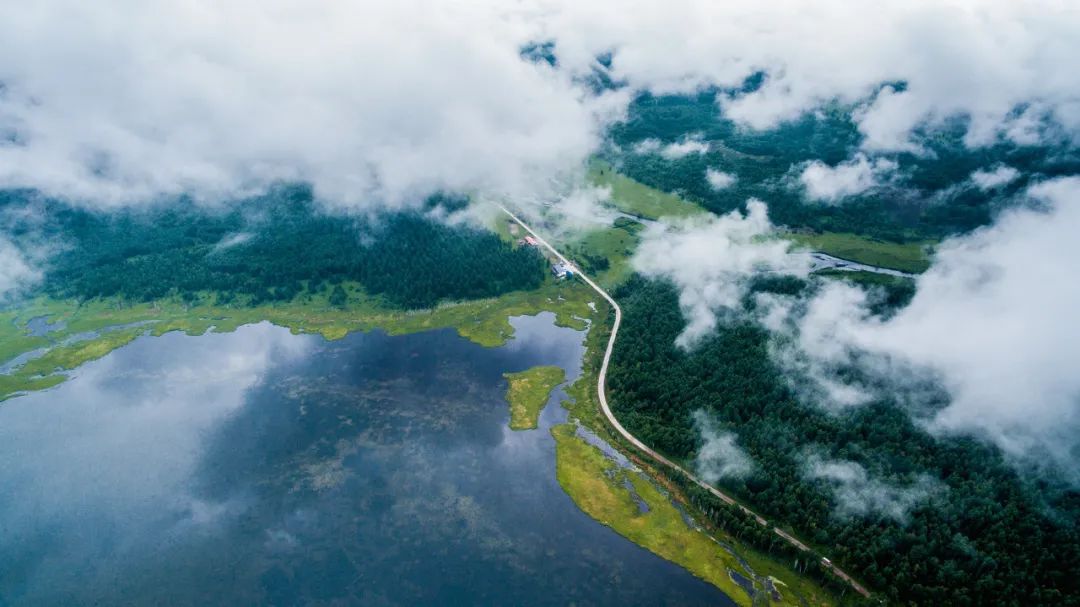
<point x="260" y="467"/>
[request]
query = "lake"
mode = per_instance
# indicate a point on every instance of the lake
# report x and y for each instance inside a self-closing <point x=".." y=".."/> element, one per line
<point x="261" y="467"/>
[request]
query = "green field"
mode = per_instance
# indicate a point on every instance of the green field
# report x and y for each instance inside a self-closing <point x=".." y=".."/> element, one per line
<point x="598" y="485"/>
<point x="528" y="392"/>
<point x="908" y="257"/>
<point x="638" y="199"/>
<point x="616" y="244"/>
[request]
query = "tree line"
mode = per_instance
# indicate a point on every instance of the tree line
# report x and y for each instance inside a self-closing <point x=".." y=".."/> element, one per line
<point x="276" y="246"/>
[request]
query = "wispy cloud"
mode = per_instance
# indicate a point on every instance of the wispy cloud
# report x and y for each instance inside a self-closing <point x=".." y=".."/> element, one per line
<point x="858" y="494"/>
<point x="720" y="456"/>
<point x="710" y="259"/>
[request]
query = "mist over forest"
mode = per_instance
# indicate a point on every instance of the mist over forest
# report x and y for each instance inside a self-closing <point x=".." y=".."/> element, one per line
<point x="841" y="235"/>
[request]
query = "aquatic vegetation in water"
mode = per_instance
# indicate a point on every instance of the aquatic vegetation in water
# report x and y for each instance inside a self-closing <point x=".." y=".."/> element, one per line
<point x="528" y="392"/>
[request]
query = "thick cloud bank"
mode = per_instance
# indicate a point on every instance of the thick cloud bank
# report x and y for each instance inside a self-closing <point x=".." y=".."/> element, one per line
<point x="994" y="321"/>
<point x="981" y="58"/>
<point x="118" y="100"/>
<point x="123" y="101"/>
<point x="709" y="259"/>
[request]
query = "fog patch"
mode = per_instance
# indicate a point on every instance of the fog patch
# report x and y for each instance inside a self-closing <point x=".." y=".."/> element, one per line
<point x="17" y="272"/>
<point x="647" y="146"/>
<point x="831" y="184"/>
<point x="719" y="456"/>
<point x="688" y="145"/>
<point x="719" y="180"/>
<point x="858" y="495"/>
<point x="233" y="240"/>
<point x="582" y="208"/>
<point x="1000" y="176"/>
<point x="710" y="259"/>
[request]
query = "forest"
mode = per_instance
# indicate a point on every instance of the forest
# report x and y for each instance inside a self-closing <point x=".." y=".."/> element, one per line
<point x="989" y="537"/>
<point x="273" y="247"/>
<point x="929" y="201"/>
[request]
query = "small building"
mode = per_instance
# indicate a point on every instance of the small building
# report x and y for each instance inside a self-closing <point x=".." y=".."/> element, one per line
<point x="561" y="270"/>
<point x="532" y="242"/>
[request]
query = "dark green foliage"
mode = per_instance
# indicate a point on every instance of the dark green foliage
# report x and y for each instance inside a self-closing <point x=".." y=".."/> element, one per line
<point x="991" y="537"/>
<point x="540" y="52"/>
<point x="338" y="297"/>
<point x="924" y="205"/>
<point x="275" y="247"/>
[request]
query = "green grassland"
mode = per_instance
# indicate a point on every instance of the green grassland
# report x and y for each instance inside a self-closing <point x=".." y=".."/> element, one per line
<point x="485" y="322"/>
<point x="528" y="392"/>
<point x="637" y="199"/>
<point x="907" y="257"/>
<point x="615" y="245"/>
<point x="598" y="485"/>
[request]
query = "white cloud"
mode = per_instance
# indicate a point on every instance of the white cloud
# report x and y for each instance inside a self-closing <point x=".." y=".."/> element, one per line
<point x="997" y="177"/>
<point x="719" y="180"/>
<point x="17" y="272"/>
<point x="823" y="323"/>
<point x="648" y="146"/>
<point x="981" y="58"/>
<point x="233" y="240"/>
<point x="126" y="101"/>
<point x="709" y="259"/>
<point x="832" y="184"/>
<point x="993" y="322"/>
<point x="681" y="149"/>
<point x="582" y="208"/>
<point x="673" y="151"/>
<point x="857" y="494"/>
<point x="719" y="457"/>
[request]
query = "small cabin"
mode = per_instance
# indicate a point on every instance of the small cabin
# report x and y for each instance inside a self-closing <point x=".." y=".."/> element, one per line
<point x="561" y="270"/>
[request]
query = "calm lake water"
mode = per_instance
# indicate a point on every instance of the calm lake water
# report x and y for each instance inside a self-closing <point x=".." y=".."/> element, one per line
<point x="260" y="467"/>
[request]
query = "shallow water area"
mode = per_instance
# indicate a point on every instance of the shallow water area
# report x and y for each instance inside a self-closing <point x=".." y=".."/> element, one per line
<point x="260" y="467"/>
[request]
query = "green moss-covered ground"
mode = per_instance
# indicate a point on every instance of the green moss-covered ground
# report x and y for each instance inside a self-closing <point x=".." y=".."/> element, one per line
<point x="528" y="392"/>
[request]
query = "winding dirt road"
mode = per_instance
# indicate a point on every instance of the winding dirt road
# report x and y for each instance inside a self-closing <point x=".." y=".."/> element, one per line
<point x="601" y="390"/>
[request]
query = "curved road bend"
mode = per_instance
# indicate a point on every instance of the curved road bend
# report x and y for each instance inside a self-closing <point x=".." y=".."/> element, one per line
<point x="601" y="389"/>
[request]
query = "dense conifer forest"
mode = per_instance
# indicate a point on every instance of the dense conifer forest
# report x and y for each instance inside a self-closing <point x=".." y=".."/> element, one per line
<point x="274" y="247"/>
<point x="933" y="199"/>
<point x="988" y="536"/>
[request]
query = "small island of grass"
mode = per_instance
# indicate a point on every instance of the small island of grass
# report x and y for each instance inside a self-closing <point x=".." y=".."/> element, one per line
<point x="528" y="393"/>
